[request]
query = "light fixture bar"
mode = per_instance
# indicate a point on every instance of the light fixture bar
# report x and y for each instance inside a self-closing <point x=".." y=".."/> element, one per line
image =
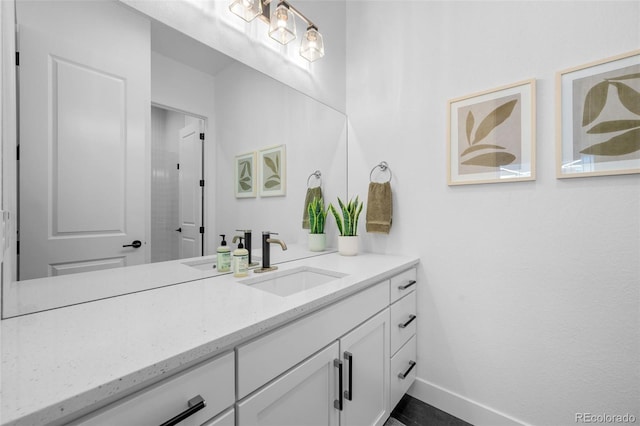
<point x="299" y="14"/>
<point x="266" y="12"/>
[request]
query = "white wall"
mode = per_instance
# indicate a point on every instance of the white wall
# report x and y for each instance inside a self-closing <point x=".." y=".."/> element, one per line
<point x="529" y="292"/>
<point x="256" y="112"/>
<point x="211" y="23"/>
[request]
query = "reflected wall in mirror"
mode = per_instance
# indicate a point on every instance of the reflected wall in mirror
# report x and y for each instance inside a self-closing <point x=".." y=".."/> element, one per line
<point x="86" y="126"/>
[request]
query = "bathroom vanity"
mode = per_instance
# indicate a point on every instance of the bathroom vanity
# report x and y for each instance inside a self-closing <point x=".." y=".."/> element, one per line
<point x="223" y="350"/>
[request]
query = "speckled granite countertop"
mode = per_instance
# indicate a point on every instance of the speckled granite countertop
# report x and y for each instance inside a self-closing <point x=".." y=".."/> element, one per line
<point x="57" y="362"/>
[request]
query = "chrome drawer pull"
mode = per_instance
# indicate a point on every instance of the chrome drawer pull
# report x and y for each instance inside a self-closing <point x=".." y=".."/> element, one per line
<point x="337" y="403"/>
<point x="407" y="285"/>
<point x="406" y="373"/>
<point x="195" y="404"/>
<point x="404" y="325"/>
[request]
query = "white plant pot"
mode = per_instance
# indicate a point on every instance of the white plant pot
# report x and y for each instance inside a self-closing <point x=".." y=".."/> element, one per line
<point x="317" y="242"/>
<point x="348" y="246"/>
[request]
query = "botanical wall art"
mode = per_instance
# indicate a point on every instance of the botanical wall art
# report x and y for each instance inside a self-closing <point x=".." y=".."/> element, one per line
<point x="492" y="135"/>
<point x="598" y="118"/>
<point x="273" y="171"/>
<point x="245" y="175"/>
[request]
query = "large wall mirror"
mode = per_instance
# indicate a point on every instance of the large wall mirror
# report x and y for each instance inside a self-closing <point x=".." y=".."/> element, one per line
<point x="130" y="133"/>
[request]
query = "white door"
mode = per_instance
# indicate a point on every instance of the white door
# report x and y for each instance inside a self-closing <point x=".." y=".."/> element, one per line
<point x="189" y="176"/>
<point x="302" y="397"/>
<point x="365" y="354"/>
<point x="84" y="112"/>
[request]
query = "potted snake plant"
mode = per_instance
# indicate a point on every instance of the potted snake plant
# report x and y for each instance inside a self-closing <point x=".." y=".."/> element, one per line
<point x="347" y="222"/>
<point x="317" y="220"/>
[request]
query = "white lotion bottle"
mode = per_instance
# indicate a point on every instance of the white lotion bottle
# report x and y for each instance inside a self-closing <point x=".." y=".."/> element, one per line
<point x="240" y="261"/>
<point x="223" y="256"/>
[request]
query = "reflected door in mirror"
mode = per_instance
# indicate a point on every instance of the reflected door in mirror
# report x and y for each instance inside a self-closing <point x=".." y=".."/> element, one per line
<point x="83" y="116"/>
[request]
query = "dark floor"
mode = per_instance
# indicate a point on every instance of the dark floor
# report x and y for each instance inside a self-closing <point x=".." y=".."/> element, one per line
<point x="413" y="412"/>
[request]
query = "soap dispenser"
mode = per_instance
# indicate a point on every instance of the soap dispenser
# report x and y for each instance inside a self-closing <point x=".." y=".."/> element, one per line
<point x="240" y="261"/>
<point x="223" y="258"/>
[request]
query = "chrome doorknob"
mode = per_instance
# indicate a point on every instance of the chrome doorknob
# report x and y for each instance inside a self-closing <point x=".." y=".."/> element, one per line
<point x="134" y="244"/>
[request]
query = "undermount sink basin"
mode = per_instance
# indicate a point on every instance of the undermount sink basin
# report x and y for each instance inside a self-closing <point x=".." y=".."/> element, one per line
<point x="286" y="283"/>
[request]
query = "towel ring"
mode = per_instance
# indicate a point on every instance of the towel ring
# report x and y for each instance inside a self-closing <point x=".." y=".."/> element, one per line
<point x="318" y="176"/>
<point x="384" y="167"/>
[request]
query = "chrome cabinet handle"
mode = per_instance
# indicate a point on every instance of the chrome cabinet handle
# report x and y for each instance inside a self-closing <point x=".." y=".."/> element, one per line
<point x="405" y="324"/>
<point x="407" y="285"/>
<point x="195" y="404"/>
<point x="406" y="373"/>
<point x="348" y="394"/>
<point x="134" y="244"/>
<point x="338" y="402"/>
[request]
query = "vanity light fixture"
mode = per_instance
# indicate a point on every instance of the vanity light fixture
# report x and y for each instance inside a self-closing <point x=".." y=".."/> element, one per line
<point x="282" y="26"/>
<point x="246" y="9"/>
<point x="312" y="46"/>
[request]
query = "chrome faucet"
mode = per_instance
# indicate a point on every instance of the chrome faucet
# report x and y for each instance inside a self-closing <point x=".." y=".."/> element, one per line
<point x="266" y="251"/>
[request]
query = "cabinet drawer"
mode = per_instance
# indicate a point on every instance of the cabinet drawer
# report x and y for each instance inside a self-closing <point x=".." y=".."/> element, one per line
<point x="267" y="357"/>
<point x="228" y="418"/>
<point x="212" y="380"/>
<point x="403" y="321"/>
<point x="402" y="284"/>
<point x="403" y="371"/>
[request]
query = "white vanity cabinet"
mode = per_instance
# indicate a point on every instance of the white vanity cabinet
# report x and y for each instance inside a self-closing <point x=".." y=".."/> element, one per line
<point x="189" y="398"/>
<point x="403" y="334"/>
<point x="346" y="383"/>
<point x="284" y="379"/>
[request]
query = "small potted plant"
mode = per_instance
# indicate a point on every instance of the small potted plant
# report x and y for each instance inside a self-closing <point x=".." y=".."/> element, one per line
<point x="347" y="222"/>
<point x="317" y="220"/>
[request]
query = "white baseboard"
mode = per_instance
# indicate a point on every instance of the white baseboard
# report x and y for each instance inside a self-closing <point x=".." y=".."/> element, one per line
<point x="459" y="406"/>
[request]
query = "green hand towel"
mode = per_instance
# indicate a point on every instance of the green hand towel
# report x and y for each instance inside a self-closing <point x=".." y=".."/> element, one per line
<point x="315" y="192"/>
<point x="379" y="208"/>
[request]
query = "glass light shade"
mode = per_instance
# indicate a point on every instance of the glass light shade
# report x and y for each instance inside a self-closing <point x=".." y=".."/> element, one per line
<point x="312" y="46"/>
<point x="246" y="9"/>
<point x="282" y="27"/>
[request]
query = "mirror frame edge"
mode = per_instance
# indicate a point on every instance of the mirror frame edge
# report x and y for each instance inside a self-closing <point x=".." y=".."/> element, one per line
<point x="8" y="51"/>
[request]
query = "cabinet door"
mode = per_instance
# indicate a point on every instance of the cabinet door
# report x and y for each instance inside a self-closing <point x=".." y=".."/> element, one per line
<point x="302" y="397"/>
<point x="365" y="354"/>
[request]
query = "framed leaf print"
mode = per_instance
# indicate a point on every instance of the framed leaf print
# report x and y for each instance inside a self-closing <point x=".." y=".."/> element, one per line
<point x="491" y="136"/>
<point x="273" y="171"/>
<point x="598" y="118"/>
<point x="245" y="175"/>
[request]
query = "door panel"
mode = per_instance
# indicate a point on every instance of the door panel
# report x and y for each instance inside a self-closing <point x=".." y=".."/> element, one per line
<point x="89" y="123"/>
<point x="190" y="173"/>
<point x="84" y="114"/>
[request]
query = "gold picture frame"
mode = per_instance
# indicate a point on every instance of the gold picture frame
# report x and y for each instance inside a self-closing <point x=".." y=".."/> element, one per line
<point x="491" y="135"/>
<point x="598" y="118"/>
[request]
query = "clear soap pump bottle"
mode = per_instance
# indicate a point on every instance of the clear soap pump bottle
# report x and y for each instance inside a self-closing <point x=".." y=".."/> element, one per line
<point x="223" y="256"/>
<point x="240" y="260"/>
